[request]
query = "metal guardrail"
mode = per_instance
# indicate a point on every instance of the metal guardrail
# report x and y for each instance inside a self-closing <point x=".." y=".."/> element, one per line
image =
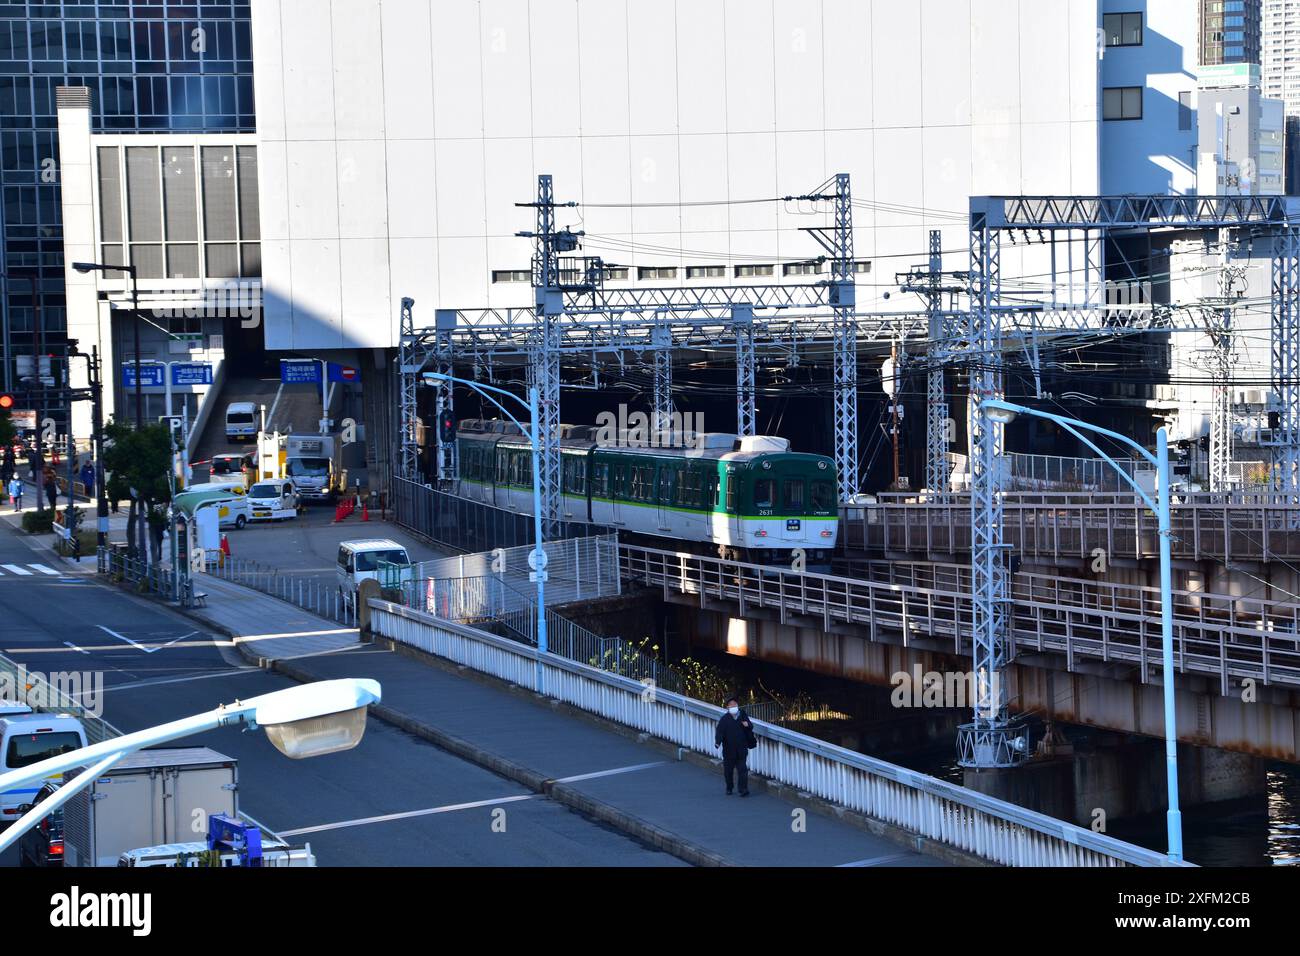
<point x="984" y="827"/>
<point x="577" y="569"/>
<point x="153" y="577"/>
<point x="493" y="600"/>
<point x="46" y="696"/>
<point x="1224" y="637"/>
<point x="1066" y="526"/>
<point x="311" y="594"/>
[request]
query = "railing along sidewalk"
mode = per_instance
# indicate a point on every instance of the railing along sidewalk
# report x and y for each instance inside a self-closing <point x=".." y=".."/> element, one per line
<point x="952" y="816"/>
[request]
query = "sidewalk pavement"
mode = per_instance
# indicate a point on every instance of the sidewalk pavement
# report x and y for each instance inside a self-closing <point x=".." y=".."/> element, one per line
<point x="641" y="787"/>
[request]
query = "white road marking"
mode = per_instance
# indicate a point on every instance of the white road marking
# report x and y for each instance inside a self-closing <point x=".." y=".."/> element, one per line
<point x="45" y="570"/>
<point x="610" y="773"/>
<point x="449" y="808"/>
<point x="155" y="681"/>
<point x="879" y="860"/>
<point x="122" y="637"/>
<point x="80" y="650"/>
<point x="15" y="569"/>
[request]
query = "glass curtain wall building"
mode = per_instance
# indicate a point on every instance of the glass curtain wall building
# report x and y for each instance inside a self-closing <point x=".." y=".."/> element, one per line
<point x="152" y="67"/>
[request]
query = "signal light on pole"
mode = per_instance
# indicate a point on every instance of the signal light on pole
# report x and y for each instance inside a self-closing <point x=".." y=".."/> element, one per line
<point x="6" y="402"/>
<point x="446" y="426"/>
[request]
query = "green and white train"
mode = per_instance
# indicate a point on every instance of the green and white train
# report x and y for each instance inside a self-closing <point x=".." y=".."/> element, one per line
<point x="749" y="499"/>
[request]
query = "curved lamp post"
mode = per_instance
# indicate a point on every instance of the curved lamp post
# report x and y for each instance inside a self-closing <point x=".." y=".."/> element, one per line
<point x="1005" y="412"/>
<point x="303" y="721"/>
<point x="534" y="439"/>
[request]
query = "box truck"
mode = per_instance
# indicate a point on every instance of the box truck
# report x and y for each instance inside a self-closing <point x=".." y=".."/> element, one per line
<point x="152" y="797"/>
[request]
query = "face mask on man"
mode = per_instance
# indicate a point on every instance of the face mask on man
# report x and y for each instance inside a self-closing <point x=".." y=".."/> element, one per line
<point x="733" y="711"/>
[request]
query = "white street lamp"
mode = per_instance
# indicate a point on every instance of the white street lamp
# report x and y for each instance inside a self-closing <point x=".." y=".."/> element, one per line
<point x="307" y="720"/>
<point x="536" y="560"/>
<point x="1000" y="411"/>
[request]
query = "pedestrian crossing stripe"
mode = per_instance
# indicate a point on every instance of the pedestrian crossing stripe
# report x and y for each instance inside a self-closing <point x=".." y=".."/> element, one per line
<point x="25" y="572"/>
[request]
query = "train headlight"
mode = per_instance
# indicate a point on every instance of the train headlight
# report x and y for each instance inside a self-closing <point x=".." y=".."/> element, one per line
<point x="821" y="465"/>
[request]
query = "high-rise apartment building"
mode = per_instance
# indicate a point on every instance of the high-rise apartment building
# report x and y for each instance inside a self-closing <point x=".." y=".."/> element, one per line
<point x="150" y="67"/>
<point x="1230" y="31"/>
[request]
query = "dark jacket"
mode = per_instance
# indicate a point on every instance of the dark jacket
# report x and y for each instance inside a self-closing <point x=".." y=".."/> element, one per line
<point x="735" y="734"/>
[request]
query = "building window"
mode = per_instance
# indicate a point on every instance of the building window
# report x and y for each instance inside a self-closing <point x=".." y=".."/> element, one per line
<point x="705" y="272"/>
<point x="750" y="272"/>
<point x="1122" y="29"/>
<point x="615" y="273"/>
<point x="1185" y="110"/>
<point x="1121" y="103"/>
<point x="657" y="272"/>
<point x="511" y="275"/>
<point x="862" y="266"/>
<point x="801" y="268"/>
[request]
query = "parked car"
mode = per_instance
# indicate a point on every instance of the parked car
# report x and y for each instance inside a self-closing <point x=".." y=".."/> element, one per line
<point x="27" y="737"/>
<point x="359" y="560"/>
<point x="273" y="499"/>
<point x="228" y="464"/>
<point x="42" y="845"/>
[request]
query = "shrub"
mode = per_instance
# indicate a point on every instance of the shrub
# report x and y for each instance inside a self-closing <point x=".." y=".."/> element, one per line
<point x="38" y="522"/>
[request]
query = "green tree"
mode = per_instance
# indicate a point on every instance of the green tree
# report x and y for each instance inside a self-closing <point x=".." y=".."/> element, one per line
<point x="140" y="461"/>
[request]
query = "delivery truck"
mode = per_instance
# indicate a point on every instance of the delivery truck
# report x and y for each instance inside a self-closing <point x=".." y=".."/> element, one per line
<point x="152" y="797"/>
<point x="314" y="465"/>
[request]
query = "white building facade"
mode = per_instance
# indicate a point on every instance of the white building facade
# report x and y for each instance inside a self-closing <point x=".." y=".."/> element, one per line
<point x="396" y="137"/>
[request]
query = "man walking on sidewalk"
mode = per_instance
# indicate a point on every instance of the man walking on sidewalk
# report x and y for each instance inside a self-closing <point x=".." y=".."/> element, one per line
<point x="735" y="735"/>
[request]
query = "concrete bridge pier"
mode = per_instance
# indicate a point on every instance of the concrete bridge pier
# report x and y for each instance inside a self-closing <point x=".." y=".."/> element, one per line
<point x="1122" y="776"/>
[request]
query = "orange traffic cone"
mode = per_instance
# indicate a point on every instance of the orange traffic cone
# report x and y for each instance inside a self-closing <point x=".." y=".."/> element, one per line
<point x="365" y="511"/>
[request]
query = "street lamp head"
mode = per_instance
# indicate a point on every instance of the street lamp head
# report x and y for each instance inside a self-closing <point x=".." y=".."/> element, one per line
<point x="84" y="267"/>
<point x="998" y="411"/>
<point x="318" y="718"/>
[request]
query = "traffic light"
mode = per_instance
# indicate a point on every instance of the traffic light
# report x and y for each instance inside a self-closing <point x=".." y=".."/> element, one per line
<point x="446" y="426"/>
<point x="6" y="402"/>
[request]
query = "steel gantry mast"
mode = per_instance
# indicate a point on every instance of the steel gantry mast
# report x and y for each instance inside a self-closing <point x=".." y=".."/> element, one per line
<point x="991" y="739"/>
<point x="1219" y="328"/>
<point x="843" y="303"/>
<point x="544" y="353"/>
<point x="409" y="366"/>
<point x="932" y="286"/>
<point x="1284" y="435"/>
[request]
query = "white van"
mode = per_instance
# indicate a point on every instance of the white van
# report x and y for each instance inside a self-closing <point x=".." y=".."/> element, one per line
<point x="233" y="508"/>
<point x="234" y="486"/>
<point x="27" y="737"/>
<point x="273" y="499"/>
<point x="241" y="420"/>
<point x="359" y="561"/>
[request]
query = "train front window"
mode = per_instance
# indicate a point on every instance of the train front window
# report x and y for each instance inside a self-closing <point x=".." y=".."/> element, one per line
<point x="822" y="496"/>
<point x="792" y="496"/>
<point x="764" y="493"/>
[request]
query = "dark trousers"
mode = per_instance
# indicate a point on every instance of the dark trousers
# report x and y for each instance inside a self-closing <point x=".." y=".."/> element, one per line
<point x="734" y="765"/>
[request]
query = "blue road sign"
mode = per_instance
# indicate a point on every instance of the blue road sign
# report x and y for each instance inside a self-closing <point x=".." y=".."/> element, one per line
<point x="343" y="373"/>
<point x="151" y="375"/>
<point x="299" y="371"/>
<point x="192" y="373"/>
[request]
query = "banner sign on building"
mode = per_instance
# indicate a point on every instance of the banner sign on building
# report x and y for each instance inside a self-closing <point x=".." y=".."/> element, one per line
<point x="191" y="373"/>
<point x="299" y="371"/>
<point x="151" y="375"/>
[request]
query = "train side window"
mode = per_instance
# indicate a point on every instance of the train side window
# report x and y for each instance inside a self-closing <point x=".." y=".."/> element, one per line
<point x="792" y="496"/>
<point x="731" y="494"/>
<point x="822" y="496"/>
<point x="599" y="480"/>
<point x="711" y="492"/>
<point x="764" y="494"/>
<point x="502" y="465"/>
<point x="620" y="481"/>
